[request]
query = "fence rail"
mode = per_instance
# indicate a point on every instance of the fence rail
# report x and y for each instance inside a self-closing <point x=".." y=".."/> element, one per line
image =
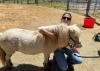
<point x="88" y="7"/>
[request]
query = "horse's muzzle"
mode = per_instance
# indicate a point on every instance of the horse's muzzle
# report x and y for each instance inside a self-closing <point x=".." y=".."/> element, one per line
<point x="78" y="45"/>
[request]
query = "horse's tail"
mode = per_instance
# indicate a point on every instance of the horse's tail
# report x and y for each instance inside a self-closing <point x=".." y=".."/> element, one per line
<point x="2" y="53"/>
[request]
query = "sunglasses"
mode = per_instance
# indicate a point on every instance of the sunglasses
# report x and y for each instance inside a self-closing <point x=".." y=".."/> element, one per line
<point x="67" y="18"/>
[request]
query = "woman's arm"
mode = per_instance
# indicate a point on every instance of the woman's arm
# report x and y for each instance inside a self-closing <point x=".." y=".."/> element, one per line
<point x="47" y="33"/>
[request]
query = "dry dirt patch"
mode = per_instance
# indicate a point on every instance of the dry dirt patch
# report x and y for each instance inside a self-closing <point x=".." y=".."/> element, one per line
<point x="31" y="16"/>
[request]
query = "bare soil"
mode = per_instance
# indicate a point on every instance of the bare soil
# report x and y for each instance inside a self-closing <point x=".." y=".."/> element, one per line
<point x="31" y="17"/>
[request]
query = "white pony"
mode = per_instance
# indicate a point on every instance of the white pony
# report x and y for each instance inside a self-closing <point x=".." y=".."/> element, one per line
<point x="33" y="42"/>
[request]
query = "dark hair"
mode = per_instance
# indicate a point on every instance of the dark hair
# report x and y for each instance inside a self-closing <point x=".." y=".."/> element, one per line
<point x="65" y="14"/>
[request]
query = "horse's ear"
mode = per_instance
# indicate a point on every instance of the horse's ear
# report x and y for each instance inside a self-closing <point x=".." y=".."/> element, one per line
<point x="74" y="28"/>
<point x="77" y="29"/>
<point x="71" y="31"/>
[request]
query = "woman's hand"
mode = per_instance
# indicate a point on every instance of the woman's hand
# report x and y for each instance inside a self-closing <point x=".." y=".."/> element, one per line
<point x="74" y="49"/>
<point x="52" y="36"/>
<point x="47" y="33"/>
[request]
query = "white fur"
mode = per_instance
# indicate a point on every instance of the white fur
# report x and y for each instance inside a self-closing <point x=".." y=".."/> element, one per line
<point x="33" y="42"/>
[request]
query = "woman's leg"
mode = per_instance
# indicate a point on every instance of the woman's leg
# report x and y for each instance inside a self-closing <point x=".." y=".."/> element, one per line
<point x="73" y="57"/>
<point x="61" y="60"/>
<point x="76" y="58"/>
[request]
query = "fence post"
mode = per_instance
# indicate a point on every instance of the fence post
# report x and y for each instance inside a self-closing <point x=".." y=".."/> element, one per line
<point x="95" y="6"/>
<point x="14" y="1"/>
<point x="68" y="5"/>
<point x="36" y="1"/>
<point x="88" y="7"/>
<point x="51" y="1"/>
<point x="27" y="1"/>
<point x="17" y="1"/>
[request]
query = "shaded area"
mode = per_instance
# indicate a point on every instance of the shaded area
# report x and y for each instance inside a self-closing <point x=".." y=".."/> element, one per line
<point x="23" y="67"/>
<point x="52" y="66"/>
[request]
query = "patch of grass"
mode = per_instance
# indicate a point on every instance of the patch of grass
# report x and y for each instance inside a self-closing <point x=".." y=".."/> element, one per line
<point x="96" y="14"/>
<point x="59" y="5"/>
<point x="54" y="5"/>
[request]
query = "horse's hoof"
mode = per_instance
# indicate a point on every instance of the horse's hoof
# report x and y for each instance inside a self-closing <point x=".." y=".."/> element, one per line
<point x="8" y="67"/>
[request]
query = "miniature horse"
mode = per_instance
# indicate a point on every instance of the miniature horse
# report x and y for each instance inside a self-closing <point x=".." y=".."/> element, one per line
<point x="33" y="42"/>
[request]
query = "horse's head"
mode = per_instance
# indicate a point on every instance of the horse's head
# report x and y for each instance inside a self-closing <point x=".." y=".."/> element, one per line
<point x="74" y="33"/>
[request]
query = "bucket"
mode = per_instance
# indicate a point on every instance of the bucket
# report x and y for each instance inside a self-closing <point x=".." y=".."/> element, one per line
<point x="89" y="22"/>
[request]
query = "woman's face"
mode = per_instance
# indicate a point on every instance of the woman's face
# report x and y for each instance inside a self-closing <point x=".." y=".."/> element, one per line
<point x="66" y="19"/>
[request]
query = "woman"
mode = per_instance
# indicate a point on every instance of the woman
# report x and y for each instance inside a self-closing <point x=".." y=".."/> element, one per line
<point x="73" y="56"/>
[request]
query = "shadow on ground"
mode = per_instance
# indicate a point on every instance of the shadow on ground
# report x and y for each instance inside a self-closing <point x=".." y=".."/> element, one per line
<point x="28" y="67"/>
<point x="23" y="67"/>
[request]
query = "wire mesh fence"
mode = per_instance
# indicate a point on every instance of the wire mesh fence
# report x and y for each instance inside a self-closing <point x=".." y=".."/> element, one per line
<point x="79" y="6"/>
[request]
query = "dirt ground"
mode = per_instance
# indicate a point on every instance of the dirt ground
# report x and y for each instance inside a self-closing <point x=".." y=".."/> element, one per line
<point x="31" y="17"/>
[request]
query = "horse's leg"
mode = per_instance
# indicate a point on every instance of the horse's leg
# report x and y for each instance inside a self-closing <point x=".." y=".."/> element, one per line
<point x="8" y="57"/>
<point x="46" y="59"/>
<point x="8" y="61"/>
<point x="5" y="58"/>
<point x="2" y="56"/>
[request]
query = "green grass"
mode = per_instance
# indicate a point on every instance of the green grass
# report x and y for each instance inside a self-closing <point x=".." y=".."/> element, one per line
<point x="96" y="14"/>
<point x="54" y="5"/>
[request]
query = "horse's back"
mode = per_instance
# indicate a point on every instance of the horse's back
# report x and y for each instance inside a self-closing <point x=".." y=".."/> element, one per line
<point x="16" y="32"/>
<point x="23" y="39"/>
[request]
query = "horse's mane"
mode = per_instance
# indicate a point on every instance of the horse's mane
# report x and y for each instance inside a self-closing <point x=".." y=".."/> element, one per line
<point x="75" y="28"/>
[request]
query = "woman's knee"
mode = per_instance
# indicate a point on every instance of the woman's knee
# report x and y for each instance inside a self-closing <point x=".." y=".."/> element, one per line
<point x="77" y="59"/>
